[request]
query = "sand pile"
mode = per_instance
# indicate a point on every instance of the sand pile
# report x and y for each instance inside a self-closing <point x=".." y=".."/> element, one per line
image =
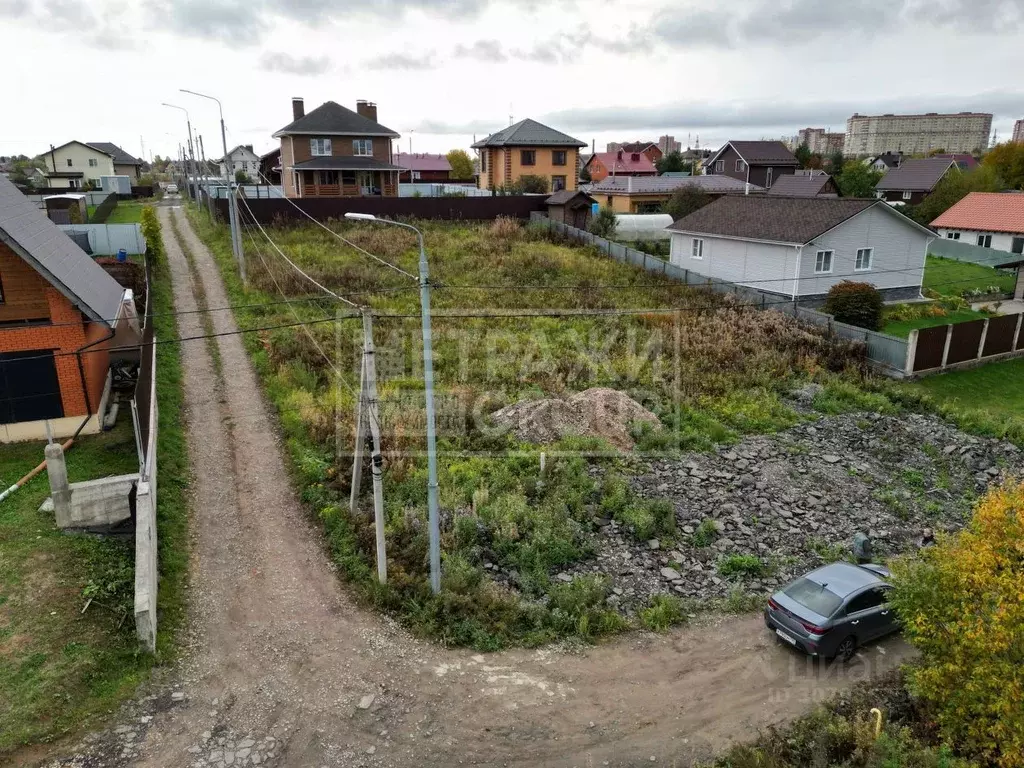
<point x="597" y="412"/>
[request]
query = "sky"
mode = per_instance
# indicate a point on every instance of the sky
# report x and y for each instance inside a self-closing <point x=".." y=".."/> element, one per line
<point x="442" y="71"/>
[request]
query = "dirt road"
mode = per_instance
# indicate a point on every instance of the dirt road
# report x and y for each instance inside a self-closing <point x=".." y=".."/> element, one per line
<point x="284" y="670"/>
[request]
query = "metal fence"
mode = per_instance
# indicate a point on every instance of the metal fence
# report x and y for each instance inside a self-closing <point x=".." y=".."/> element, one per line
<point x="108" y="239"/>
<point x="102" y="211"/>
<point x="426" y="189"/>
<point x="887" y="353"/>
<point x="961" y="251"/>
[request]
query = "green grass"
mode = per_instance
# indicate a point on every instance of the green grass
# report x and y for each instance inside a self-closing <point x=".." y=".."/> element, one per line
<point x="902" y="328"/>
<point x="996" y="388"/>
<point x="951" y="278"/>
<point x="61" y="669"/>
<point x="126" y="213"/>
<point x="709" y="376"/>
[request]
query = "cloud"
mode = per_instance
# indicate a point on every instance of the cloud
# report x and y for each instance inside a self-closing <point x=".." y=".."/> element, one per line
<point x="482" y="50"/>
<point x="230" y="21"/>
<point x="294" y="65"/>
<point x="403" y="62"/>
<point x="14" y="9"/>
<point x="560" y="49"/>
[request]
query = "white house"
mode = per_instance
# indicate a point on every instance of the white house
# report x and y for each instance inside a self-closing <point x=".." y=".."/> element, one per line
<point x="987" y="219"/>
<point x="71" y="165"/>
<point x="801" y="247"/>
<point x="242" y="159"/>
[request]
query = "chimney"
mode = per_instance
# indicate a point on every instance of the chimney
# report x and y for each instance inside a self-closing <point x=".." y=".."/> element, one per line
<point x="620" y="154"/>
<point x="298" y="108"/>
<point x="367" y="109"/>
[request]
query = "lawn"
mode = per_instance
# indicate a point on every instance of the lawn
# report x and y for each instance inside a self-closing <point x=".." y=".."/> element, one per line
<point x="61" y="669"/>
<point x="902" y="328"/>
<point x="952" y="278"/>
<point x="126" y="213"/>
<point x="709" y="375"/>
<point x="995" y="388"/>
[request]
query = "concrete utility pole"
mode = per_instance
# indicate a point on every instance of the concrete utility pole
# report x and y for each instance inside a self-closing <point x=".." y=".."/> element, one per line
<point x="188" y="123"/>
<point x="202" y="157"/>
<point x="236" y="236"/>
<point x="369" y="402"/>
<point x="428" y="381"/>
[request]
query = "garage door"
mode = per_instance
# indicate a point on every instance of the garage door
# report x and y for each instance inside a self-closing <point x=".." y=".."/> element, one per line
<point x="29" y="389"/>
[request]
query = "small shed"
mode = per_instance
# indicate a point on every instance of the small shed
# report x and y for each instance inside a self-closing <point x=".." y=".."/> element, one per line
<point x="67" y="209"/>
<point x="119" y="185"/>
<point x="570" y="206"/>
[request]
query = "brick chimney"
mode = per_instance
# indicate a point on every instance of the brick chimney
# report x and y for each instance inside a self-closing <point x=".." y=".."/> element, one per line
<point x="298" y="108"/>
<point x="367" y="109"/>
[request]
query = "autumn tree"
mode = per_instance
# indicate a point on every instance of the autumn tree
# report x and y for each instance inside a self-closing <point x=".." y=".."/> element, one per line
<point x="462" y="165"/>
<point x="953" y="188"/>
<point x="1007" y="162"/>
<point x="961" y="604"/>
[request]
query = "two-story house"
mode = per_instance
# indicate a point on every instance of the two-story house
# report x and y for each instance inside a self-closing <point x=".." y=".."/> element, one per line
<point x="335" y="152"/>
<point x="76" y="164"/>
<point x="124" y="164"/>
<point x="754" y="162"/>
<point x="243" y="160"/>
<point x="528" y="148"/>
<point x="601" y="165"/>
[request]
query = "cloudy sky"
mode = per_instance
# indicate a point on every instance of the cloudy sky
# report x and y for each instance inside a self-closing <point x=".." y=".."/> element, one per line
<point x="444" y="70"/>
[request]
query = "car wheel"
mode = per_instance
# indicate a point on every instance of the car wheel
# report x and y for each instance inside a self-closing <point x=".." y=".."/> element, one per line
<point x="846" y="648"/>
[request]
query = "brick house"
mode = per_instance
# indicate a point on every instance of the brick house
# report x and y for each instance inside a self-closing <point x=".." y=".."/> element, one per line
<point x="60" y="314"/>
<point x="528" y="148"/>
<point x="423" y="168"/>
<point x="756" y="162"/>
<point x="335" y="152"/>
<point x="622" y="162"/>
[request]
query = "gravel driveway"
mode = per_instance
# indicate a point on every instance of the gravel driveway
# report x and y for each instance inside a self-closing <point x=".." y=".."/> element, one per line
<point x="283" y="669"/>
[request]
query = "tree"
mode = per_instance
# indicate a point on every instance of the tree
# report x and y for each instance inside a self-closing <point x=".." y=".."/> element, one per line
<point x="961" y="603"/>
<point x="685" y="200"/>
<point x="585" y="175"/>
<point x="604" y="223"/>
<point x="857" y="179"/>
<point x="836" y="161"/>
<point x="803" y="155"/>
<point x="241" y="177"/>
<point x="671" y="163"/>
<point x="462" y="165"/>
<point x="953" y="188"/>
<point x="1007" y="161"/>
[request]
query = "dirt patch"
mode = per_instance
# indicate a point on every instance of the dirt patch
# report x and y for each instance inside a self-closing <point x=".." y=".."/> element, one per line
<point x="597" y="412"/>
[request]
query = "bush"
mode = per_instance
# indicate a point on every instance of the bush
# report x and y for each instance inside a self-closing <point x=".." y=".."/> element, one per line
<point x="705" y="534"/>
<point x="686" y="200"/>
<point x="664" y="611"/>
<point x="603" y="225"/>
<point x="151" y="231"/>
<point x="745" y="565"/>
<point x="962" y="606"/>
<point x="857" y="304"/>
<point x="531" y="183"/>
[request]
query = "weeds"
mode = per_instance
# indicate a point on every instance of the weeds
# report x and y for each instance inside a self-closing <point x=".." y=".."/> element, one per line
<point x="742" y="565"/>
<point x="705" y="534"/>
<point x="663" y="612"/>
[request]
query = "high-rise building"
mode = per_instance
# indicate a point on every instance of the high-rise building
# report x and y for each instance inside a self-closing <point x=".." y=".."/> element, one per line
<point x="1018" y="131"/>
<point x="917" y="134"/>
<point x="668" y="145"/>
<point x="821" y="141"/>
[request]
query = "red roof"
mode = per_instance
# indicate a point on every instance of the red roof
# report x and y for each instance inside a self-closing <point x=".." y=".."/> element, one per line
<point x="986" y="212"/>
<point x="419" y="161"/>
<point x="630" y="163"/>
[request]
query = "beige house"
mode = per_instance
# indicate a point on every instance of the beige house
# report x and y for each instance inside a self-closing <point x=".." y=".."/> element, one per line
<point x="528" y="148"/>
<point x="72" y="165"/>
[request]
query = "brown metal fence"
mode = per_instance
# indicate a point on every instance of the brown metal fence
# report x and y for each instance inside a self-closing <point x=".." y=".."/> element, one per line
<point x="934" y="350"/>
<point x="931" y="345"/>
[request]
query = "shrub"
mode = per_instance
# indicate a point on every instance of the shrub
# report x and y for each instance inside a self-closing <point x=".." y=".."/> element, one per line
<point x="962" y="605"/>
<point x="857" y="304"/>
<point x="686" y="200"/>
<point x="705" y="534"/>
<point x="662" y="612"/>
<point x="603" y="225"/>
<point x="531" y="183"/>
<point x="746" y="565"/>
<point x="151" y="231"/>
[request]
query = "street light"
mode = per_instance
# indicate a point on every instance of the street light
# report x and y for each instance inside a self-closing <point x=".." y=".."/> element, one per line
<point x="428" y="381"/>
<point x="188" y="160"/>
<point x="236" y="236"/>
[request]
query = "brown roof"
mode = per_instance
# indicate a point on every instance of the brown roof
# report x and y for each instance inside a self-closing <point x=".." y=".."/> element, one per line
<point x="762" y="152"/>
<point x="917" y="174"/>
<point x="987" y="212"/>
<point x="778" y="219"/>
<point x="801" y="185"/>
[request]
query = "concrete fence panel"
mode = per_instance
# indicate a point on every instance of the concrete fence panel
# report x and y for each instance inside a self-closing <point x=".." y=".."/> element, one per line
<point x="107" y="239"/>
<point x="146" y="541"/>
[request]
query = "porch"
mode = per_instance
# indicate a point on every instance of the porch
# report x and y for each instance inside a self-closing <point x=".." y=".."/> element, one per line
<point x="347" y="183"/>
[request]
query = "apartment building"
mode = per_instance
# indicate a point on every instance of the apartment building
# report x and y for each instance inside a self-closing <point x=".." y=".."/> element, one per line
<point x="821" y="141"/>
<point x="1018" y="131"/>
<point x="917" y="134"/>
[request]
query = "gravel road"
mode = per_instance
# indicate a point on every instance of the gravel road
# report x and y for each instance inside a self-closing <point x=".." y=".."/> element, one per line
<point x="283" y="669"/>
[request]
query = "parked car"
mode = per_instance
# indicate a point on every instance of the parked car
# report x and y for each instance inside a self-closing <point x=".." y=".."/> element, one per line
<point x="833" y="610"/>
<point x="171" y="189"/>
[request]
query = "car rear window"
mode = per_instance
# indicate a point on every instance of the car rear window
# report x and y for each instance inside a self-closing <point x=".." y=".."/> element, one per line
<point x="814" y="596"/>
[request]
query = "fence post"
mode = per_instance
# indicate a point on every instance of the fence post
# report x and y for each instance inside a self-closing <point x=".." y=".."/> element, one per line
<point x="981" y="341"/>
<point x="945" y="348"/>
<point x="908" y="367"/>
<point x="1016" y="332"/>
<point x="686" y="276"/>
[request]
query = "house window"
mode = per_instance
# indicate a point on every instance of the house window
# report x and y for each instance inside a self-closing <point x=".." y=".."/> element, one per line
<point x="696" y="248"/>
<point x="483" y="162"/>
<point x="93" y="162"/>
<point x="740" y="166"/>
<point x="527" y="157"/>
<point x="823" y="262"/>
<point x="985" y="241"/>
<point x="720" y="166"/>
<point x="952" y="235"/>
<point x="320" y="147"/>
<point x="907" y="194"/>
<point x="557" y="183"/>
<point x="863" y="259"/>
<point x="69" y="163"/>
<point x="1" y="290"/>
<point x="327" y="177"/>
<point x="558" y="157"/>
<point x="348" y="177"/>
<point x="647" y="207"/>
<point x="362" y="147"/>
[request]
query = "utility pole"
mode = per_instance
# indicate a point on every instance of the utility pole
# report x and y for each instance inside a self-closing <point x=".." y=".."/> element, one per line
<point x="206" y="187"/>
<point x="376" y="460"/>
<point x="236" y="236"/>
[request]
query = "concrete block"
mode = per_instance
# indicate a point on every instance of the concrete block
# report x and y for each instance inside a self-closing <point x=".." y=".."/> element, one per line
<point x="146" y="576"/>
<point x="60" y="492"/>
<point x="102" y="502"/>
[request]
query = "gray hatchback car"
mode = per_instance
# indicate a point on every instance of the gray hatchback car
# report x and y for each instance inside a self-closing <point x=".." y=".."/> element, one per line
<point x="833" y="610"/>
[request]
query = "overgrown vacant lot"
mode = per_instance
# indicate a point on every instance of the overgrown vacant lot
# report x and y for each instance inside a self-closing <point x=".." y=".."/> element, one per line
<point x="514" y="536"/>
